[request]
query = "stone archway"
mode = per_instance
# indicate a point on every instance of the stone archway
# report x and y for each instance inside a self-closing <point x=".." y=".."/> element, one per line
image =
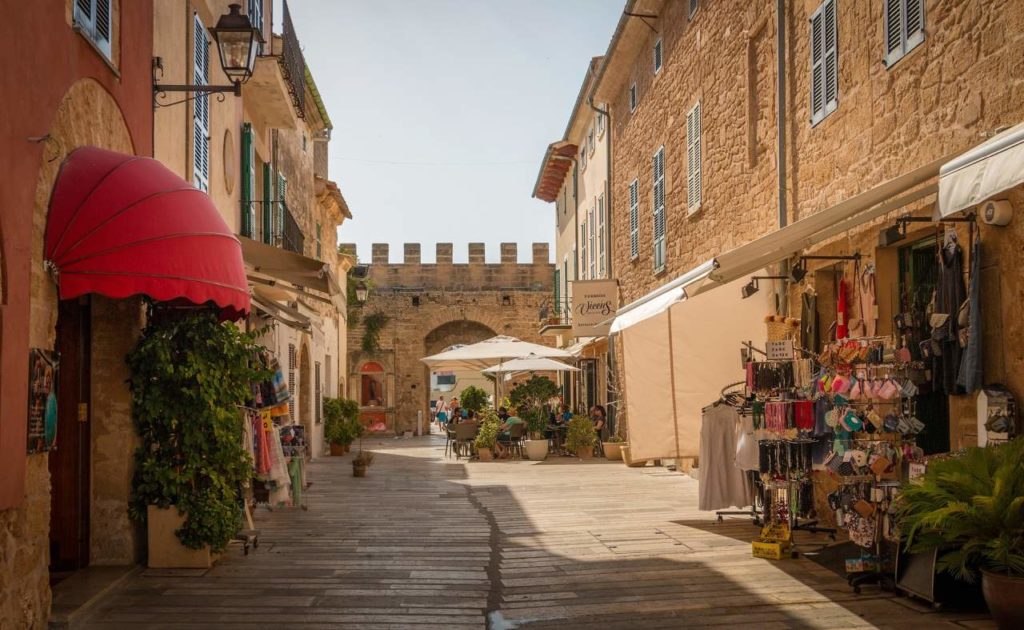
<point x="463" y="331"/>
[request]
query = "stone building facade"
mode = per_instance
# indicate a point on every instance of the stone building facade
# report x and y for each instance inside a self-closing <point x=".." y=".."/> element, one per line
<point x="958" y="83"/>
<point x="430" y="307"/>
<point x="69" y="88"/>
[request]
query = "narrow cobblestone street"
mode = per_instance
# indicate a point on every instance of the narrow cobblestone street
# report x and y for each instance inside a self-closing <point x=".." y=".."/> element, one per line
<point x="428" y="543"/>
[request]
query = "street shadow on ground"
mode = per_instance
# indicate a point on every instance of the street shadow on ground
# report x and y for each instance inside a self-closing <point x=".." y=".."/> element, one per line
<point x="422" y="543"/>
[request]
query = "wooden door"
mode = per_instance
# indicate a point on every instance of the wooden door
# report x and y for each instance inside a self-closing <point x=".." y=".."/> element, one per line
<point x="69" y="460"/>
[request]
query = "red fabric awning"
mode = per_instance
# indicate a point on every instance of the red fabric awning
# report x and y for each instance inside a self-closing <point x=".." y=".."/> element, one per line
<point x="123" y="225"/>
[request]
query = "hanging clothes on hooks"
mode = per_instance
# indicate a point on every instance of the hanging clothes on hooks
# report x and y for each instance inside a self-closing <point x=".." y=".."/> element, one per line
<point x="722" y="483"/>
<point x="868" y="303"/>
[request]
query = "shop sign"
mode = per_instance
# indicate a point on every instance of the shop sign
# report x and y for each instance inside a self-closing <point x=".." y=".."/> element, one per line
<point x="594" y="304"/>
<point x="42" y="400"/>
<point x="779" y="350"/>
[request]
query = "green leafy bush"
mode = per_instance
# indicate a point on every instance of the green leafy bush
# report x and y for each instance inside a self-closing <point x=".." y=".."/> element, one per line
<point x="341" y="419"/>
<point x="474" y="398"/>
<point x="189" y="374"/>
<point x="490" y="426"/>
<point x="580" y="433"/>
<point x="373" y="324"/>
<point x="970" y="508"/>
<point x="530" y="395"/>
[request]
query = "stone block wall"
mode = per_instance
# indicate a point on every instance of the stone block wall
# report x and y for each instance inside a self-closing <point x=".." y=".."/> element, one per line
<point x="432" y="306"/>
<point x="724" y="59"/>
<point x="953" y="91"/>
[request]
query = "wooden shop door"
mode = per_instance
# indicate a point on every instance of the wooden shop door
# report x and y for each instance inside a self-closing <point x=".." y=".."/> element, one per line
<point x="70" y="458"/>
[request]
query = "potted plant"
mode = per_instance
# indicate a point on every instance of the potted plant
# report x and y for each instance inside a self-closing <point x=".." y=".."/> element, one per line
<point x="487" y="436"/>
<point x="971" y="510"/>
<point x="580" y="437"/>
<point x="189" y="375"/>
<point x="613" y="448"/>
<point x="340" y="418"/>
<point x="361" y="462"/>
<point x="474" y="399"/>
<point x="529" y="398"/>
<point x="537" y="444"/>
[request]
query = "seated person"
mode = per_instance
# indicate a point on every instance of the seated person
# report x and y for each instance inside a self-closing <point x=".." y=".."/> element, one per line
<point x="502" y="414"/>
<point x="505" y="434"/>
<point x="566" y="415"/>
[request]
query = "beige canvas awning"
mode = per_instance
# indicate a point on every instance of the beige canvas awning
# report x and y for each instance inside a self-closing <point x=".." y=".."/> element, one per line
<point x="282" y="264"/>
<point x="988" y="169"/>
<point x="281" y="312"/>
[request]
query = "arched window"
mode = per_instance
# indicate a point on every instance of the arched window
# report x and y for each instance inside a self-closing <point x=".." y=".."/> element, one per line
<point x="371" y="390"/>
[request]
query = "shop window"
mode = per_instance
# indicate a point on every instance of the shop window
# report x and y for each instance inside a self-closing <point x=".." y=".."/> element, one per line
<point x="658" y="170"/>
<point x="904" y="28"/>
<point x="824" y="62"/>
<point x="694" y="183"/>
<point x="94" y="20"/>
<point x="634" y="219"/>
<point x="371" y="390"/>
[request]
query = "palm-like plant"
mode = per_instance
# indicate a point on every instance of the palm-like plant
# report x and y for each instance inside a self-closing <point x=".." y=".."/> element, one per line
<point x="971" y="509"/>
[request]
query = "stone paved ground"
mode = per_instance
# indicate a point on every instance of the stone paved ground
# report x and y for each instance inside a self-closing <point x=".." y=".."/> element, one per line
<point x="427" y="543"/>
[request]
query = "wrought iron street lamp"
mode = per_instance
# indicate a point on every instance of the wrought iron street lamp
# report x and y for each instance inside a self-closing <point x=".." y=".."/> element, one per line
<point x="362" y="291"/>
<point x="238" y="41"/>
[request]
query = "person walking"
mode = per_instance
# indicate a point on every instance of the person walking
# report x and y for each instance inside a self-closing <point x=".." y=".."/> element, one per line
<point x="600" y="420"/>
<point x="442" y="413"/>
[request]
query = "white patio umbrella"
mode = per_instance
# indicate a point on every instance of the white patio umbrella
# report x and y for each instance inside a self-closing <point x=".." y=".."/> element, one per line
<point x="486" y="353"/>
<point x="530" y="363"/>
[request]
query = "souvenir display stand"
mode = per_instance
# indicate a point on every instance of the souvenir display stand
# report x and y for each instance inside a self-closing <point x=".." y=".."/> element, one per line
<point x="277" y="447"/>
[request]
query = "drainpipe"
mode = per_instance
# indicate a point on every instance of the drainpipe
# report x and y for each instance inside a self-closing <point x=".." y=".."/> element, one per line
<point x="780" y="105"/>
<point x="780" y="116"/>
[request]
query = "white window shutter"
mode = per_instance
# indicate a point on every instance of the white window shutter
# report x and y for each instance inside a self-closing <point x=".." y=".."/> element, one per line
<point x="831" y="57"/>
<point x="634" y="219"/>
<point x="817" y="67"/>
<point x="694" y="184"/>
<point x="658" y="164"/>
<point x="201" y="108"/>
<point x="915" y="24"/>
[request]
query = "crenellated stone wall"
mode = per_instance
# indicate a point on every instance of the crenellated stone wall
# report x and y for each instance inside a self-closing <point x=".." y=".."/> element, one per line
<point x="433" y="305"/>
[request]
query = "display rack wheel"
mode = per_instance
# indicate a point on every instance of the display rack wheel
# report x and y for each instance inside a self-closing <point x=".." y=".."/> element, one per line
<point x="256" y="542"/>
<point x="856" y="589"/>
<point x="936" y="606"/>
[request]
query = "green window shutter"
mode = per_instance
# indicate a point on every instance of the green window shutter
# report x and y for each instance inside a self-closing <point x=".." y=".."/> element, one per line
<point x="268" y="208"/>
<point x="248" y="182"/>
<point x="558" y="294"/>
<point x="282" y="203"/>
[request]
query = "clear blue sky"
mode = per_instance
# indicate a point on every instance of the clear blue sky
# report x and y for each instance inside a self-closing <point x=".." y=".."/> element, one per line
<point x="442" y="110"/>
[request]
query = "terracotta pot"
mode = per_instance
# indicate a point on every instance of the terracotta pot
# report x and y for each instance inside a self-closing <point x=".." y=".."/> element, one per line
<point x="358" y="471"/>
<point x="585" y="453"/>
<point x="1005" y="598"/>
<point x="613" y="450"/>
<point x="485" y="454"/>
<point x="536" y="450"/>
<point x="337" y="449"/>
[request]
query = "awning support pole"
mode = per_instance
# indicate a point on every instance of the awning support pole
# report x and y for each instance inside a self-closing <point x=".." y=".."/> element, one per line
<point x="672" y="378"/>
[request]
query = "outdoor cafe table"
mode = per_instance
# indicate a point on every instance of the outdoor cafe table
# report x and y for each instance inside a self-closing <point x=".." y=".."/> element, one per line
<point x="558" y="436"/>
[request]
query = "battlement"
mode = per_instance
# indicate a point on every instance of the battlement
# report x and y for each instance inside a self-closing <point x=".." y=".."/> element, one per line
<point x="446" y="275"/>
<point x="380" y="253"/>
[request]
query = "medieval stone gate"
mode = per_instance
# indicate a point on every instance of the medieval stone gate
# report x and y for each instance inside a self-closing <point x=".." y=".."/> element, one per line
<point x="429" y="307"/>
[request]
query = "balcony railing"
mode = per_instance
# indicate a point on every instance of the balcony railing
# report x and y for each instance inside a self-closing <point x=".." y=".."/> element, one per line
<point x="292" y="238"/>
<point x="555" y="314"/>
<point x="293" y="64"/>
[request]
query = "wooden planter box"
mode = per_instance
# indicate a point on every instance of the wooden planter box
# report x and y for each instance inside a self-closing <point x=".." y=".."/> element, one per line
<point x="165" y="550"/>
